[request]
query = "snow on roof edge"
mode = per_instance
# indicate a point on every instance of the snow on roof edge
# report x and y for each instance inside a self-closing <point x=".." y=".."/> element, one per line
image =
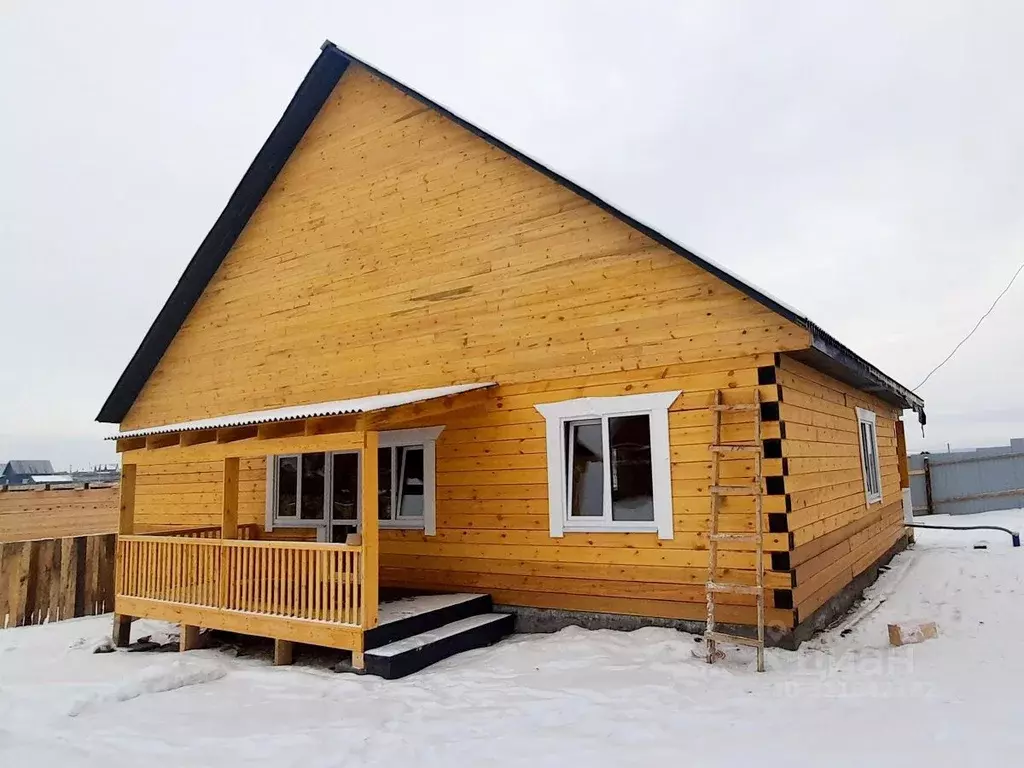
<point x="314" y="410"/>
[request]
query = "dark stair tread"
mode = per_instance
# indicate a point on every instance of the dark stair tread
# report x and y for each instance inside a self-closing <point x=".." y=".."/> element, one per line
<point x="415" y="622"/>
<point x="411" y="654"/>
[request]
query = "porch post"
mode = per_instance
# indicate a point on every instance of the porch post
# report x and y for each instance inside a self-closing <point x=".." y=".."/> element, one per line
<point x="368" y="508"/>
<point x="126" y="514"/>
<point x="125" y="526"/>
<point x="229" y="500"/>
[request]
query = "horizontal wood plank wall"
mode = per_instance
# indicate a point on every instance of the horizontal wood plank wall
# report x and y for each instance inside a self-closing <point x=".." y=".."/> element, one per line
<point x="39" y="514"/>
<point x="836" y="534"/>
<point x="398" y="251"/>
<point x="170" y="496"/>
<point x="492" y="507"/>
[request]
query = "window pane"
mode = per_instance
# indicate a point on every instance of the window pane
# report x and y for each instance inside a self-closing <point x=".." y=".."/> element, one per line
<point x="864" y="453"/>
<point x="312" y="505"/>
<point x="870" y="453"/>
<point x="384" y="474"/>
<point x="345" y="486"/>
<point x="632" y="480"/>
<point x="410" y="491"/>
<point x="585" y="468"/>
<point x="340" y="533"/>
<point x="287" y="483"/>
<point x="873" y="454"/>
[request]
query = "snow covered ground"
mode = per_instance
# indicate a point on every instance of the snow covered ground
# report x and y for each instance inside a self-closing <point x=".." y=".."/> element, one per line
<point x="574" y="698"/>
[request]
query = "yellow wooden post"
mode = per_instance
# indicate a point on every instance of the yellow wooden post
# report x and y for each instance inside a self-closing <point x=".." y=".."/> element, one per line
<point x="125" y="526"/>
<point x="370" y="532"/>
<point x="229" y="501"/>
<point x="189" y="639"/>
<point x="284" y="652"/>
<point x="228" y="527"/>
<point x="126" y="515"/>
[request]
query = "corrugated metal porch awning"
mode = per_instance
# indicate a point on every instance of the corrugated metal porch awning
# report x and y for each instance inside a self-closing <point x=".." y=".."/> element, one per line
<point x="316" y="410"/>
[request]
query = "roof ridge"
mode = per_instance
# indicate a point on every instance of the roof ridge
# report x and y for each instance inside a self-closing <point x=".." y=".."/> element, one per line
<point x="310" y="97"/>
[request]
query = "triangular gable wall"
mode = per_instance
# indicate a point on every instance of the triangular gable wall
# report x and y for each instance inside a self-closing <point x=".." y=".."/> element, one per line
<point x="323" y="155"/>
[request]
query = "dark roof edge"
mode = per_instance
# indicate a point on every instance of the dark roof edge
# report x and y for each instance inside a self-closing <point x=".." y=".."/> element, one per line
<point x="874" y="378"/>
<point x="820" y="340"/>
<point x="303" y="108"/>
<point x="653" y="234"/>
<point x="310" y="96"/>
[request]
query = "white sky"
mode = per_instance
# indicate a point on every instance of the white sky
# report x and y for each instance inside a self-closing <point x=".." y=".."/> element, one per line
<point x="862" y="160"/>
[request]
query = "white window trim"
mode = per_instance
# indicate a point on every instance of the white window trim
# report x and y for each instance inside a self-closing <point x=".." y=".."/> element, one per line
<point x="865" y="416"/>
<point x="427" y="437"/>
<point x="655" y="405"/>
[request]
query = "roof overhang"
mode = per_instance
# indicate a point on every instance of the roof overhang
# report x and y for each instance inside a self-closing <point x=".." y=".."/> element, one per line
<point x="294" y="429"/>
<point x="829" y="356"/>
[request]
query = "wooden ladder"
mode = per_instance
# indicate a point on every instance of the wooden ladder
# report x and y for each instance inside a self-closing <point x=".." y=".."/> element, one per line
<point x="715" y="537"/>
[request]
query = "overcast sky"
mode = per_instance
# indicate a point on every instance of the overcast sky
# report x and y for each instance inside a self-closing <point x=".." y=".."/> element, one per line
<point x="863" y="163"/>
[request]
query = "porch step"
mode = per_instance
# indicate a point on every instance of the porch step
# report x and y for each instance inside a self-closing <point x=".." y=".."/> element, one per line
<point x="411" y="654"/>
<point x="410" y="616"/>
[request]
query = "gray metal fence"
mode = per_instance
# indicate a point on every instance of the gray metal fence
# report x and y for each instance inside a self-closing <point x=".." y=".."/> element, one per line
<point x="966" y="482"/>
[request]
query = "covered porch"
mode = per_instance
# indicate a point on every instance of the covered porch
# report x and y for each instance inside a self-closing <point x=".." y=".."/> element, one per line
<point x="229" y="577"/>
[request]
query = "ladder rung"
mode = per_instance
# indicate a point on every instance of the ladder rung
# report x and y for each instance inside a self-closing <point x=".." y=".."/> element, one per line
<point x="724" y="637"/>
<point x="736" y="448"/>
<point x="736" y="490"/>
<point x="741" y="407"/>
<point x="752" y="538"/>
<point x="738" y="589"/>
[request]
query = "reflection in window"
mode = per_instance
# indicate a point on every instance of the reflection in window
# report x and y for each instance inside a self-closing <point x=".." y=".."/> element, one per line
<point x="615" y="452"/>
<point x="632" y="478"/>
<point x="287" y="485"/>
<point x="410" y="486"/>
<point x="345" y="486"/>
<point x="313" y="486"/>
<point x="385" y="458"/>
<point x="585" y="466"/>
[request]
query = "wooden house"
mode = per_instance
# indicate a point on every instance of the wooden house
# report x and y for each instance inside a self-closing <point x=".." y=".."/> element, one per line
<point x="21" y="471"/>
<point x="410" y="359"/>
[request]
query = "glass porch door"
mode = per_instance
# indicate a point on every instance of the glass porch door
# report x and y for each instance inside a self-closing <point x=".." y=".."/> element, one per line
<point x="343" y="497"/>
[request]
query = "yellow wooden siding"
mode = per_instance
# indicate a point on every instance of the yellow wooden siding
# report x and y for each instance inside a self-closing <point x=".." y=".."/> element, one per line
<point x="836" y="534"/>
<point x="397" y="251"/>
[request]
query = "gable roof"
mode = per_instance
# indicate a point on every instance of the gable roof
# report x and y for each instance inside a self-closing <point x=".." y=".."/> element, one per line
<point x="29" y="467"/>
<point x="825" y="352"/>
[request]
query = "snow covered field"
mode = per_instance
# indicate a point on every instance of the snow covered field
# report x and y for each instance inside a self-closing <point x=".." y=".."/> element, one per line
<point x="574" y="698"/>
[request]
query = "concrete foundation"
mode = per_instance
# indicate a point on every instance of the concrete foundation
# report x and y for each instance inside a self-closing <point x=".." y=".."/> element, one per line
<point x="546" y="620"/>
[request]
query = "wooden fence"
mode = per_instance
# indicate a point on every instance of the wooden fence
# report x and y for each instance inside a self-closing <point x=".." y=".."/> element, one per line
<point x="44" y="514"/>
<point x="53" y="579"/>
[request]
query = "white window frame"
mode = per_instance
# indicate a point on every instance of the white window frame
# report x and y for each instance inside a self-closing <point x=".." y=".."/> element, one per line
<point x="866" y="417"/>
<point x="425" y="437"/>
<point x="273" y="521"/>
<point x="655" y="406"/>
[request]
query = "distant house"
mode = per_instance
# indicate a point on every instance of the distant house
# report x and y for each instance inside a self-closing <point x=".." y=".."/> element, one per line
<point x="49" y="479"/>
<point x="20" y="472"/>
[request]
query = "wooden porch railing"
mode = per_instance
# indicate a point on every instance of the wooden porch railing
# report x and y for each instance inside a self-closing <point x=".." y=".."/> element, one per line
<point x="283" y="579"/>
<point x="320" y="594"/>
<point x="246" y="531"/>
